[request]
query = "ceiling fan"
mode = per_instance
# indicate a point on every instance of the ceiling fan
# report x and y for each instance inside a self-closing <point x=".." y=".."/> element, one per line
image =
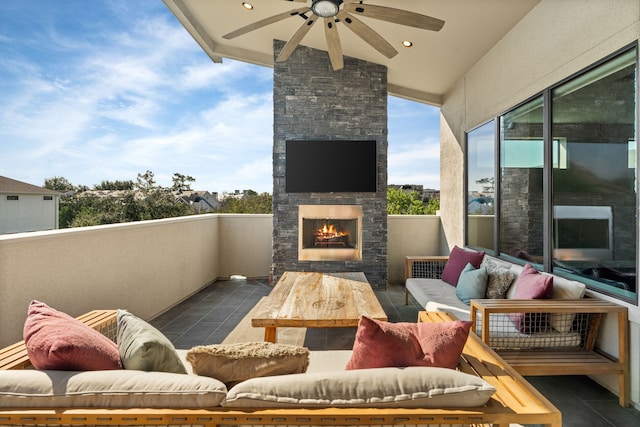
<point x="339" y="11"/>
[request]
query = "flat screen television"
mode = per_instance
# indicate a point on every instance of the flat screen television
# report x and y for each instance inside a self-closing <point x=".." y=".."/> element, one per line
<point x="331" y="166"/>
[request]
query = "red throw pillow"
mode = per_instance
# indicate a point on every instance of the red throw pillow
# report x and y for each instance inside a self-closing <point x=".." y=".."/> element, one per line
<point x="381" y="344"/>
<point x="458" y="259"/>
<point x="531" y="285"/>
<point x="57" y="341"/>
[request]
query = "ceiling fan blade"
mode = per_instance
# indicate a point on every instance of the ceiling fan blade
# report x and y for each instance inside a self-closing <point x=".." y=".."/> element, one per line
<point x="295" y="39"/>
<point x="396" y="16"/>
<point x="333" y="43"/>
<point x="367" y="34"/>
<point x="264" y="22"/>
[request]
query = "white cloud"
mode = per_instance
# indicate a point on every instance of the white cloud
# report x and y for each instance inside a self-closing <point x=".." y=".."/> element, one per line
<point x="134" y="92"/>
<point x="414" y="163"/>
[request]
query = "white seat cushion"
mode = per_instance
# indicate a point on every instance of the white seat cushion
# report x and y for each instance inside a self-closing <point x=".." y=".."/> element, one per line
<point x="436" y="295"/>
<point x="123" y="388"/>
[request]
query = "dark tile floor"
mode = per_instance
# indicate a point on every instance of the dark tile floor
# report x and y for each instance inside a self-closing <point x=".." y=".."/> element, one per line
<point x="209" y="316"/>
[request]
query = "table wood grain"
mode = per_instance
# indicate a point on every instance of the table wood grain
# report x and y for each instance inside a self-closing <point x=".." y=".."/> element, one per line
<point x="317" y="300"/>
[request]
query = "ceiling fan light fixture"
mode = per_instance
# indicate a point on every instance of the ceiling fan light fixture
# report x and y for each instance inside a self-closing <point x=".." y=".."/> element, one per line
<point x="326" y="8"/>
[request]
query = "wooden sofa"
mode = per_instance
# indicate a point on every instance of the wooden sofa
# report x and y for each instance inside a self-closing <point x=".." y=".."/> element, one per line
<point x="555" y="356"/>
<point x="515" y="400"/>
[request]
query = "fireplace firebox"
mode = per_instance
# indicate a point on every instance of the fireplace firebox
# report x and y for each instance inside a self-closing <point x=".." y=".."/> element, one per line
<point x="329" y="232"/>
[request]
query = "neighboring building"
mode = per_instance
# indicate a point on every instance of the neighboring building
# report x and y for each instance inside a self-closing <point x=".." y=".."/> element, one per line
<point x="26" y="207"/>
<point x="199" y="201"/>
<point x="111" y="194"/>
<point x="425" y="193"/>
<point x="237" y="194"/>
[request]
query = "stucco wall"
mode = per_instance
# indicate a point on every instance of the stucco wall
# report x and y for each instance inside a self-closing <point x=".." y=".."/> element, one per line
<point x="145" y="267"/>
<point x="148" y="267"/>
<point x="411" y="235"/>
<point x="555" y="40"/>
<point x="244" y="245"/>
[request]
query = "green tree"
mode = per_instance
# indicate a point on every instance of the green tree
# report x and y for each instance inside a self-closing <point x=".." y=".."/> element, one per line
<point x="114" y="185"/>
<point x="488" y="184"/>
<point x="401" y="202"/>
<point x="83" y="210"/>
<point x="252" y="202"/>
<point x="59" y="183"/>
<point x="433" y="206"/>
<point x="182" y="182"/>
<point x="146" y="182"/>
<point x="162" y="204"/>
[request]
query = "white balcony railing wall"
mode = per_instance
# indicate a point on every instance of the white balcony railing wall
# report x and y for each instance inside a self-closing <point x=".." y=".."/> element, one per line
<point x="147" y="267"/>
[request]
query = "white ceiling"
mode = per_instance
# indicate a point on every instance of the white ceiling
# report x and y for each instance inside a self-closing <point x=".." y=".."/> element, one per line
<point x="424" y="72"/>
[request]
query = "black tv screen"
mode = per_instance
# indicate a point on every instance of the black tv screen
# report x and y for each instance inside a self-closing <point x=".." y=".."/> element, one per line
<point x="331" y="166"/>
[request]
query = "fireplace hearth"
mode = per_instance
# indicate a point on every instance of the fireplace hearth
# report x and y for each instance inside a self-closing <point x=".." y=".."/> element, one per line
<point x="329" y="233"/>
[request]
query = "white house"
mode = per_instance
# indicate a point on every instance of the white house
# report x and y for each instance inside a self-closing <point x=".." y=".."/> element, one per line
<point x="199" y="201"/>
<point x="26" y="207"/>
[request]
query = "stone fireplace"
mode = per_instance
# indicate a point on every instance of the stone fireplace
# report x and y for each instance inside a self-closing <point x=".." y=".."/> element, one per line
<point x="329" y="231"/>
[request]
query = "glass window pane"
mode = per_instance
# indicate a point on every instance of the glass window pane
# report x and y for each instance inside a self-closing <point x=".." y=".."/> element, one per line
<point x="594" y="179"/>
<point x="521" y="183"/>
<point x="481" y="186"/>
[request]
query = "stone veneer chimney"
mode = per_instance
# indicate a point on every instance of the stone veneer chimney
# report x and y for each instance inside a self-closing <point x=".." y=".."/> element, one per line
<point x="314" y="102"/>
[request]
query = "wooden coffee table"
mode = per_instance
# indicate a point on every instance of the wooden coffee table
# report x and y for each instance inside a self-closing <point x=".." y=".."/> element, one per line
<point x="317" y="300"/>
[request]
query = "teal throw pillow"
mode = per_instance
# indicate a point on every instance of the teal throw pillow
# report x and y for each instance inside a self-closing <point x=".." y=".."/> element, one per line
<point x="472" y="283"/>
<point x="145" y="348"/>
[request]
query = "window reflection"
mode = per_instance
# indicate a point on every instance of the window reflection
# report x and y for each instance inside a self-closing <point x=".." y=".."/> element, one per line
<point x="583" y="162"/>
<point x="481" y="186"/>
<point x="594" y="190"/>
<point x="521" y="182"/>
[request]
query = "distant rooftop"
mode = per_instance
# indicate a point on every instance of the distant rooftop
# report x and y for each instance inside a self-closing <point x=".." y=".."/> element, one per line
<point x="8" y="185"/>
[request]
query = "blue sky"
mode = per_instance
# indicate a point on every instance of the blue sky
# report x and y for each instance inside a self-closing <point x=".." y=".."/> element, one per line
<point x="106" y="89"/>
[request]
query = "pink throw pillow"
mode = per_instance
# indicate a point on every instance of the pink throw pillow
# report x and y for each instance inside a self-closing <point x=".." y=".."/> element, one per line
<point x="381" y="344"/>
<point x="531" y="285"/>
<point x="57" y="341"/>
<point x="458" y="259"/>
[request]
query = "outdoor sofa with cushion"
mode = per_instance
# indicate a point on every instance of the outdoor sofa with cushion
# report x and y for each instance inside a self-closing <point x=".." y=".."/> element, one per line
<point x="540" y="323"/>
<point x="335" y="387"/>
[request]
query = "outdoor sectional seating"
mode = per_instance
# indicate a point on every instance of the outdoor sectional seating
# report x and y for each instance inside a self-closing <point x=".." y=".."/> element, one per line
<point x="155" y="398"/>
<point x="553" y="333"/>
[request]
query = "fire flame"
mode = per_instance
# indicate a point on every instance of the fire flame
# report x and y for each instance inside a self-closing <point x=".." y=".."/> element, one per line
<point x="329" y="231"/>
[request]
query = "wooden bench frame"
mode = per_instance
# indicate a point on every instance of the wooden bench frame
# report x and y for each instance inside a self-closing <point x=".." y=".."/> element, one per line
<point x="515" y="400"/>
<point x="433" y="269"/>
<point x="586" y="361"/>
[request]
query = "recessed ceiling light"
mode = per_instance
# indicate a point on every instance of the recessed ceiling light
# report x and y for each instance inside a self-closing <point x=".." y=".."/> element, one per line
<point x="247" y="5"/>
<point x="407" y="43"/>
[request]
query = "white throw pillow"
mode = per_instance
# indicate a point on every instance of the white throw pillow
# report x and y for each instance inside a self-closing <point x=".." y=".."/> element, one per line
<point x="565" y="289"/>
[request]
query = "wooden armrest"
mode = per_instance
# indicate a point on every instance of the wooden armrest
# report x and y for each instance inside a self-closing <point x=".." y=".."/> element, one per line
<point x="426" y="267"/>
<point x="583" y="305"/>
